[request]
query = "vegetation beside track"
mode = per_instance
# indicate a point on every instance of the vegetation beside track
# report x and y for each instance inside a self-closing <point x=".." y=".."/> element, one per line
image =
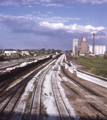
<point x="96" y="65"/>
<point x="43" y="110"/>
<point x="27" y="102"/>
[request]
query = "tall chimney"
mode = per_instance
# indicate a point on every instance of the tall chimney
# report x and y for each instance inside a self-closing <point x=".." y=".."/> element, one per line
<point x="93" y="42"/>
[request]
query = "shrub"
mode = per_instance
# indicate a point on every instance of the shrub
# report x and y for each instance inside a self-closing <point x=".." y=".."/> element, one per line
<point x="105" y="56"/>
<point x="2" y="58"/>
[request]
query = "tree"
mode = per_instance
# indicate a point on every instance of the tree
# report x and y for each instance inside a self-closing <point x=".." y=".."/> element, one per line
<point x="53" y="51"/>
<point x="42" y="50"/>
<point x="105" y="55"/>
<point x="58" y="51"/>
<point x="49" y="51"/>
<point x="1" y="58"/>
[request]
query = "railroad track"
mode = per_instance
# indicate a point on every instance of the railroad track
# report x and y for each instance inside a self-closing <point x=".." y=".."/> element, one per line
<point x="7" y="82"/>
<point x="97" y="108"/>
<point x="35" y="108"/>
<point x="99" y="113"/>
<point x="8" y="78"/>
<point x="14" y="96"/>
<point x="11" y="103"/>
<point x="61" y="105"/>
<point x="93" y="106"/>
<point x="81" y="85"/>
<point x="20" y="76"/>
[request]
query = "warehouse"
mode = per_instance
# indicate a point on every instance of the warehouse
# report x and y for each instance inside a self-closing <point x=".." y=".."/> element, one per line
<point x="98" y="49"/>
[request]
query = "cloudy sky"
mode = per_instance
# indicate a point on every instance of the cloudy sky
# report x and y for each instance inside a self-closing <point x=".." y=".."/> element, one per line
<point x="36" y="24"/>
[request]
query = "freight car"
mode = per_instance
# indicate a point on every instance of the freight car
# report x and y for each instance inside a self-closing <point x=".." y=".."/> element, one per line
<point x="22" y="67"/>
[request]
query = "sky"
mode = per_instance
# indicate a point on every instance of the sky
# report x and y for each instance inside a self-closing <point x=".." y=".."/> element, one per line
<point x="51" y="24"/>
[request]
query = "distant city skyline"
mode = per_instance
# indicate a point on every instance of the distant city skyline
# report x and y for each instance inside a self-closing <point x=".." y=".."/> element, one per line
<point x="51" y="24"/>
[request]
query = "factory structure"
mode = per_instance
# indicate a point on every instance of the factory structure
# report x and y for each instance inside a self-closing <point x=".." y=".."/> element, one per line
<point x="85" y="49"/>
<point x="75" y="47"/>
<point x="98" y="50"/>
<point x="83" y="46"/>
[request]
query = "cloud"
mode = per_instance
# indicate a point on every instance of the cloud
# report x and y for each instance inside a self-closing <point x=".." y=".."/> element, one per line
<point x="36" y="31"/>
<point x="18" y="2"/>
<point x="60" y="19"/>
<point x="29" y="6"/>
<point x="99" y="2"/>
<point x="73" y="28"/>
<point x="37" y="26"/>
<point x="54" y="3"/>
<point x="42" y="15"/>
<point x="70" y="7"/>
<point x="49" y="12"/>
<point x="45" y="18"/>
<point x="34" y="12"/>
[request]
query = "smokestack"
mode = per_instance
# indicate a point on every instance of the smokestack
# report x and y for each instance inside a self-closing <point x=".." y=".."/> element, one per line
<point x="93" y="42"/>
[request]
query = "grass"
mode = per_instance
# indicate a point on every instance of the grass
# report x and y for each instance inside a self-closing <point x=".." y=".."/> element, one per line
<point x="45" y="94"/>
<point x="96" y="65"/>
<point x="50" y="93"/>
<point x="34" y="83"/>
<point x="27" y="102"/>
<point x="43" y="110"/>
<point x="30" y="95"/>
<point x="37" y="78"/>
<point x="41" y="54"/>
<point x="9" y="60"/>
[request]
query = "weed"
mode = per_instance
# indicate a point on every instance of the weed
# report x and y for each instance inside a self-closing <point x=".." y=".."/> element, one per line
<point x="34" y="83"/>
<point x="43" y="110"/>
<point x="45" y="94"/>
<point x="37" y="78"/>
<point x="78" y="112"/>
<point x="27" y="102"/>
<point x="50" y="93"/>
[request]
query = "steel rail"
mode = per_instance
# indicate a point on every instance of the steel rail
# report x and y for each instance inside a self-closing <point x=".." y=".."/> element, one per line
<point x="35" y="109"/>
<point x="89" y="104"/>
<point x="23" y="83"/>
<point x="3" y="93"/>
<point x="61" y="106"/>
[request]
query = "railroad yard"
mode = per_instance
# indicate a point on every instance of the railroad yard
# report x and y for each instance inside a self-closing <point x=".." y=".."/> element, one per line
<point x="52" y="89"/>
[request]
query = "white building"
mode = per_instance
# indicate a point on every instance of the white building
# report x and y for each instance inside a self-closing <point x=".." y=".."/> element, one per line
<point x="98" y="49"/>
<point x="25" y="53"/>
<point x="8" y="53"/>
<point x="75" y="47"/>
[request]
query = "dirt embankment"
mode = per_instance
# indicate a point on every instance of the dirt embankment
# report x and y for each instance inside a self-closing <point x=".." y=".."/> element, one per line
<point x="77" y="64"/>
<point x="87" y="99"/>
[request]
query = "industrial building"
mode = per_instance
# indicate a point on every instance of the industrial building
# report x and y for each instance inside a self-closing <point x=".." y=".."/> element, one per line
<point x="83" y="46"/>
<point x="98" y="49"/>
<point x="90" y="50"/>
<point x="75" y="47"/>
